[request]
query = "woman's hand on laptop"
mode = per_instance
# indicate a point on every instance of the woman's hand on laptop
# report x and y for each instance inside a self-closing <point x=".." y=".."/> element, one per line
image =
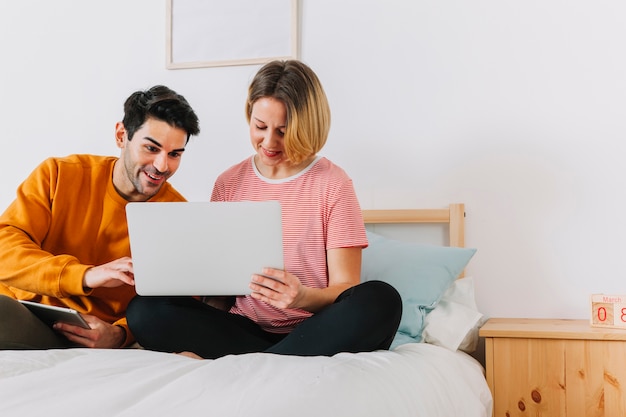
<point x="112" y="274"/>
<point x="283" y="289"/>
<point x="279" y="288"/>
<point x="101" y="334"/>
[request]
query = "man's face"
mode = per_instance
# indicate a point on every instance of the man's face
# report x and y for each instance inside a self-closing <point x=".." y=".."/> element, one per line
<point x="147" y="160"/>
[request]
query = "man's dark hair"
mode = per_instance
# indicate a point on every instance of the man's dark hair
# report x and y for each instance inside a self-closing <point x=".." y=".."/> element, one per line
<point x="161" y="103"/>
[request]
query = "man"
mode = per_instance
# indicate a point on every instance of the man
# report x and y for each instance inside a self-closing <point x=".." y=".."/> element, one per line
<point x="64" y="239"/>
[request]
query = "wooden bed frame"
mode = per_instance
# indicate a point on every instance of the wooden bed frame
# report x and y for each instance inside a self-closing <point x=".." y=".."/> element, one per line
<point x="453" y="216"/>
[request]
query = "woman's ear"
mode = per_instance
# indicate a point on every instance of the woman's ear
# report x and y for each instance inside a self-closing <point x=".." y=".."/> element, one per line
<point x="120" y="134"/>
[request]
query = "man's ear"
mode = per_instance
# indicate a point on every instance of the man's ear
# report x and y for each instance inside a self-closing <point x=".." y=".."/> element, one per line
<point x="120" y="134"/>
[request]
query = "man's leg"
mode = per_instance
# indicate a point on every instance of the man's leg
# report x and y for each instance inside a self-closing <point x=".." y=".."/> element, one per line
<point x="21" y="329"/>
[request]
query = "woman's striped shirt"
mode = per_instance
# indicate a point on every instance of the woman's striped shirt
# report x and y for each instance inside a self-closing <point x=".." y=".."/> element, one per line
<point x="320" y="211"/>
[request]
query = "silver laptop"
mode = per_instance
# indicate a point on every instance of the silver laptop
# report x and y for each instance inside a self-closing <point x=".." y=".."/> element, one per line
<point x="202" y="248"/>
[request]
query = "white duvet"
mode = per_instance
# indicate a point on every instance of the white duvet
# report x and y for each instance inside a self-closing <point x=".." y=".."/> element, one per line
<point x="413" y="380"/>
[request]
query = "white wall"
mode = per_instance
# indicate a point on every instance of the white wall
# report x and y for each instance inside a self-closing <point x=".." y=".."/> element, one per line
<point x="515" y="108"/>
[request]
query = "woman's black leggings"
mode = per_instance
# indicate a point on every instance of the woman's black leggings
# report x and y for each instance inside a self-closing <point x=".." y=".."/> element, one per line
<point x="363" y="318"/>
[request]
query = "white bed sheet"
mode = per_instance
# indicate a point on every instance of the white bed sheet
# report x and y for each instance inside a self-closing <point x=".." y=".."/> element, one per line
<point x="416" y="379"/>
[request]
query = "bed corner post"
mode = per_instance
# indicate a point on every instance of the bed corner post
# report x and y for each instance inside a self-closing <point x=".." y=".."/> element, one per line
<point x="457" y="225"/>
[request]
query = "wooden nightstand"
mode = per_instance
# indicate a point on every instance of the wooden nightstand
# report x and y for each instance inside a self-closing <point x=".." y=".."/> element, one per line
<point x="546" y="367"/>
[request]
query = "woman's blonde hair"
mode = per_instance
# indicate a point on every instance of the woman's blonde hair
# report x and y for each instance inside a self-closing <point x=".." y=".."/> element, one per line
<point x="308" y="114"/>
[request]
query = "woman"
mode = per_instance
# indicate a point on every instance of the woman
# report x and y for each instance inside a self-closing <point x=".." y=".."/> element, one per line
<point x="315" y="306"/>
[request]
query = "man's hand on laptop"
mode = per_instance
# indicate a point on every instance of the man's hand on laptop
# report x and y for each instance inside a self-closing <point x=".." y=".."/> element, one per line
<point x="101" y="334"/>
<point x="112" y="274"/>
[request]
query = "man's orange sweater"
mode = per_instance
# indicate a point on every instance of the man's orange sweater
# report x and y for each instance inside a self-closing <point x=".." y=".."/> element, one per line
<point x="66" y="218"/>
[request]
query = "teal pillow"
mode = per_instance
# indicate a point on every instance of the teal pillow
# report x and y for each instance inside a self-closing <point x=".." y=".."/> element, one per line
<point x="421" y="274"/>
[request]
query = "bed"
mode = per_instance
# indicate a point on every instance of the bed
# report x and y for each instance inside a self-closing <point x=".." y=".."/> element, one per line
<point x="427" y="372"/>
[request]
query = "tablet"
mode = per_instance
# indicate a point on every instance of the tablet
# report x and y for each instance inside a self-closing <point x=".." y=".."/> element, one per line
<point x="52" y="314"/>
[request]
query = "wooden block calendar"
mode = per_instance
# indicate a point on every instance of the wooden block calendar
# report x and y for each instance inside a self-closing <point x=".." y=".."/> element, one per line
<point x="608" y="311"/>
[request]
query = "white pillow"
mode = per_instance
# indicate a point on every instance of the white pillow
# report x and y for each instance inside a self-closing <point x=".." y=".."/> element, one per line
<point x="455" y="321"/>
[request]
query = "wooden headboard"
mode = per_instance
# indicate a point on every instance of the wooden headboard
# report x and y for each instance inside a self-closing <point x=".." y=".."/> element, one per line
<point x="453" y="216"/>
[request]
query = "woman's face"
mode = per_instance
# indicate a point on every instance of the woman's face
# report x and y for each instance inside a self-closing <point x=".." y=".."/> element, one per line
<point x="268" y="121"/>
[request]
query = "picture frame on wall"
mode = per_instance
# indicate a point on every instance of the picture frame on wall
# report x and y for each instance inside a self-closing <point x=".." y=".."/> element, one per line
<point x="213" y="33"/>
